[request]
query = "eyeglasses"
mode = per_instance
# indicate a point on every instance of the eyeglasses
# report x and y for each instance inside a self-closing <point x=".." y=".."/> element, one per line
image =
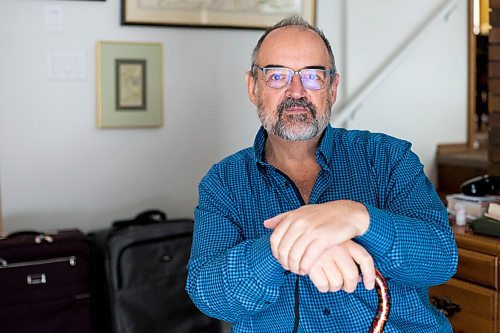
<point x="311" y="78"/>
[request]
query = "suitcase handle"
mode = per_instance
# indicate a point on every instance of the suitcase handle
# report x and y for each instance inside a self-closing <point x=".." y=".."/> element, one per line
<point x="151" y="216"/>
<point x="38" y="237"/>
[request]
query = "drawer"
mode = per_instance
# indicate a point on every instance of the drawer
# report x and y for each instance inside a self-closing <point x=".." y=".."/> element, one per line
<point x="478" y="306"/>
<point x="478" y="268"/>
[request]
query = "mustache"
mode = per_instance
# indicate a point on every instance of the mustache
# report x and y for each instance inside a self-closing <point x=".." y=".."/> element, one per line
<point x="296" y="102"/>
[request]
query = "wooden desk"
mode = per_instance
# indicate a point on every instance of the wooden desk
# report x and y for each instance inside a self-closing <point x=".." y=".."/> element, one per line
<point x="475" y="287"/>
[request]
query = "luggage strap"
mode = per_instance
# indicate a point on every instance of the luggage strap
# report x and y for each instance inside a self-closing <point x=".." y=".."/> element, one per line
<point x="151" y="216"/>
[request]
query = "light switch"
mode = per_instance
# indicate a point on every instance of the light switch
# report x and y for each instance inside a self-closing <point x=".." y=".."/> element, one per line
<point x="54" y="21"/>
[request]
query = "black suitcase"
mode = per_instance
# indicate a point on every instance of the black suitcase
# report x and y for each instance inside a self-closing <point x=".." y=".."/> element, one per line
<point x="140" y="274"/>
<point x="44" y="282"/>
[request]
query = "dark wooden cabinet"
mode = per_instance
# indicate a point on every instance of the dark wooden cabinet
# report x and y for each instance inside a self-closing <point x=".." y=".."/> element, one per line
<point x="475" y="286"/>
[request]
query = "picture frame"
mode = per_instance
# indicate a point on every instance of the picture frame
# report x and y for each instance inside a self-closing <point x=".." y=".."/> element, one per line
<point x="251" y="14"/>
<point x="129" y="84"/>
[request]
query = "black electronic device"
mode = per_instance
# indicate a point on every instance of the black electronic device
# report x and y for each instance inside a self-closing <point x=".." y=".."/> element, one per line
<point x="481" y="186"/>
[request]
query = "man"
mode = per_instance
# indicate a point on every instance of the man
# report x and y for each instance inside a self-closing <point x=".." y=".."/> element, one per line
<point x="283" y="229"/>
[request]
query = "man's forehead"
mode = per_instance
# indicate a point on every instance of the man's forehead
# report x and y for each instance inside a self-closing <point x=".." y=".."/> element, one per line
<point x="291" y="32"/>
<point x="294" y="43"/>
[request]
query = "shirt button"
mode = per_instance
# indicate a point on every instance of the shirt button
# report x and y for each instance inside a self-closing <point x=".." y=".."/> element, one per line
<point x="326" y="312"/>
<point x="287" y="272"/>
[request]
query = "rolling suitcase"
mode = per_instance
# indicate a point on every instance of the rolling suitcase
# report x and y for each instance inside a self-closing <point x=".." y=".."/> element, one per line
<point x="140" y="274"/>
<point x="44" y="282"/>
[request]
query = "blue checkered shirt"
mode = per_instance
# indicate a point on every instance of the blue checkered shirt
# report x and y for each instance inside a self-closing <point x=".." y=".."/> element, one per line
<point x="233" y="275"/>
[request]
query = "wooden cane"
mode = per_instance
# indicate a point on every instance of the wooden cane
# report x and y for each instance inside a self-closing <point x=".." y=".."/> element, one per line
<point x="384" y="304"/>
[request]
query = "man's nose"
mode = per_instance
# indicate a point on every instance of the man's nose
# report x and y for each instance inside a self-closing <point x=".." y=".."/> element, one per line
<point x="295" y="89"/>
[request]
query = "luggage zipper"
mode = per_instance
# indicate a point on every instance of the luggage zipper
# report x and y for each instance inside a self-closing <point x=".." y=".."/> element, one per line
<point x="70" y="259"/>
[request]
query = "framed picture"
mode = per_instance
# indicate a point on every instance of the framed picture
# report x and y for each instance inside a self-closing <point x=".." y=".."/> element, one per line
<point x="129" y="84"/>
<point x="251" y="14"/>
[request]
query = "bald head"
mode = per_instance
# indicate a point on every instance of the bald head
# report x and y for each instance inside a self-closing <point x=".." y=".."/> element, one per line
<point x="295" y="22"/>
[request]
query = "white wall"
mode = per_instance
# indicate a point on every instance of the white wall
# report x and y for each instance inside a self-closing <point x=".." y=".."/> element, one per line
<point x="424" y="100"/>
<point x="58" y="170"/>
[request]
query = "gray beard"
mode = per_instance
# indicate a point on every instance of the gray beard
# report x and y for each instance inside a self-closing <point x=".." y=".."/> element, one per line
<point x="299" y="127"/>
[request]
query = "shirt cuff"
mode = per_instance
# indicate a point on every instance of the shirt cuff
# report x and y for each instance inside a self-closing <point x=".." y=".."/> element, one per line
<point x="379" y="238"/>
<point x="266" y="268"/>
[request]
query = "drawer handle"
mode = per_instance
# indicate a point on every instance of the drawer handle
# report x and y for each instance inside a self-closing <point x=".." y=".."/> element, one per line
<point x="445" y="305"/>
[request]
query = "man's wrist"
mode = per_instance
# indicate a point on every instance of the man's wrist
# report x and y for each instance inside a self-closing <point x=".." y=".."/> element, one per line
<point x="362" y="218"/>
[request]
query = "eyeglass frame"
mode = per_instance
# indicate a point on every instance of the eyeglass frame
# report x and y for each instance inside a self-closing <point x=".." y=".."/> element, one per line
<point x="329" y="72"/>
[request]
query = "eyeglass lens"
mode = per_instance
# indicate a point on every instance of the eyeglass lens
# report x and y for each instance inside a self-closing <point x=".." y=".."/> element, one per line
<point x="312" y="79"/>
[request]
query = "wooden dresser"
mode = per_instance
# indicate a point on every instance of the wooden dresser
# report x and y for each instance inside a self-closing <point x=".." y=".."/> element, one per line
<point x="475" y="287"/>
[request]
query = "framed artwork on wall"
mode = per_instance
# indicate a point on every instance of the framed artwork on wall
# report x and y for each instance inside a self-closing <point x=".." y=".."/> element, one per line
<point x="129" y="84"/>
<point x="251" y="14"/>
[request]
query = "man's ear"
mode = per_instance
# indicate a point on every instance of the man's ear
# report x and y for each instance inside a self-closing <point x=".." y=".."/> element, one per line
<point x="251" y="86"/>
<point x="334" y="88"/>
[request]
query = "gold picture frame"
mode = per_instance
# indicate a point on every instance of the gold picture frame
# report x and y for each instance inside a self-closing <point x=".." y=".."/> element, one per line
<point x="129" y="84"/>
<point x="251" y="14"/>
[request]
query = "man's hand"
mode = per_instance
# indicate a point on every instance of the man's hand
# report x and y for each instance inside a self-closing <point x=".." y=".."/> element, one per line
<point x="301" y="236"/>
<point x="337" y="268"/>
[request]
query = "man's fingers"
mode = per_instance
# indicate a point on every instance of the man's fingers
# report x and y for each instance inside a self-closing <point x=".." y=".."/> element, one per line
<point x="277" y="237"/>
<point x="274" y="221"/>
<point x="278" y="232"/>
<point x="305" y="252"/>
<point x="292" y="244"/>
<point x="319" y="279"/>
<point x="332" y="273"/>
<point x="299" y="251"/>
<point x="284" y="243"/>
<point x="366" y="264"/>
<point x="348" y="270"/>
<point x="342" y="265"/>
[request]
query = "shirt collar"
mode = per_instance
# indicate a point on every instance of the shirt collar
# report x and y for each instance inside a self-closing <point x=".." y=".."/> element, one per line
<point x="259" y="144"/>
<point x="325" y="149"/>
<point x="323" y="153"/>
